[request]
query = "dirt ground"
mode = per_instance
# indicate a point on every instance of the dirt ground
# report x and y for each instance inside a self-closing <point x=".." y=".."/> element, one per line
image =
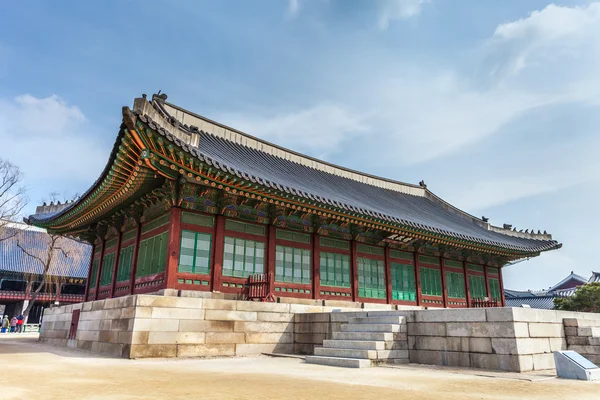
<point x="35" y="370"/>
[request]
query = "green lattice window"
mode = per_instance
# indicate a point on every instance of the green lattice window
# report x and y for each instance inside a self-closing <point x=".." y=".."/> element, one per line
<point x="455" y="282"/>
<point x="125" y="261"/>
<point x="403" y="282"/>
<point x="152" y="257"/>
<point x="495" y="289"/>
<point x="371" y="278"/>
<point x="292" y="236"/>
<point x="194" y="253"/>
<point x="431" y="281"/>
<point x="243" y="257"/>
<point x="94" y="274"/>
<point x="292" y="264"/>
<point x="335" y="269"/>
<point x="477" y="286"/>
<point x="107" y="269"/>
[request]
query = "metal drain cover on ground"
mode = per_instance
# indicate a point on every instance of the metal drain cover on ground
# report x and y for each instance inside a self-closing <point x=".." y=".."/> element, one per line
<point x="572" y="365"/>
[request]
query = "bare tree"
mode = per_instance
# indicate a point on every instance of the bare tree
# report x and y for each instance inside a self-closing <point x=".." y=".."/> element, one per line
<point x="12" y="196"/>
<point x="52" y="258"/>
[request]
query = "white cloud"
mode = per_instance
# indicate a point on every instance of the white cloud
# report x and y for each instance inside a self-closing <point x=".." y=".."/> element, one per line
<point x="392" y="10"/>
<point x="320" y="130"/>
<point x="49" y="140"/>
<point x="293" y="8"/>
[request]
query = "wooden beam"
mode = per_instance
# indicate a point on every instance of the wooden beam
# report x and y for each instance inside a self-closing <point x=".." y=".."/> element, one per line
<point x="99" y="268"/>
<point x="444" y="283"/>
<point x="501" y="282"/>
<point x="87" y="283"/>
<point x="173" y="248"/>
<point x="134" y="261"/>
<point x="467" y="288"/>
<point x="417" y="277"/>
<point x="487" y="282"/>
<point x="388" y="275"/>
<point x="316" y="267"/>
<point x="219" y="246"/>
<point x="116" y="266"/>
<point x="271" y="248"/>
<point x="353" y="270"/>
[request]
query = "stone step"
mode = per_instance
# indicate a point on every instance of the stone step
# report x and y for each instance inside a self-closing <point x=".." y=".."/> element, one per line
<point x="346" y="353"/>
<point x="595" y="358"/>
<point x="385" y="336"/>
<point x="354" y="344"/>
<point x="392" y="355"/>
<point x="589" y="331"/>
<point x="378" y="320"/>
<point x="350" y="327"/>
<point x="339" y="362"/>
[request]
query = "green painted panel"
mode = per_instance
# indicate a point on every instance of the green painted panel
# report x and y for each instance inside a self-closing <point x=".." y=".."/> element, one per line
<point x="197" y="219"/>
<point x="401" y="255"/>
<point x="152" y="257"/>
<point x="106" y="273"/>
<point x="477" y="286"/>
<point x="455" y="283"/>
<point x="292" y="236"/>
<point x="403" y="282"/>
<point x="242" y="257"/>
<point x="110" y="243"/>
<point x="335" y="269"/>
<point x="431" y="281"/>
<point x="376" y="251"/>
<point x="495" y="289"/>
<point x="125" y="262"/>
<point x="474" y="267"/>
<point x="453" y="264"/>
<point x="334" y="243"/>
<point x="194" y="253"/>
<point x="156" y="223"/>
<point x="94" y="274"/>
<point x="371" y="278"/>
<point x="429" y="260"/>
<point x="292" y="265"/>
<point x="129" y="235"/>
<point x="243" y="227"/>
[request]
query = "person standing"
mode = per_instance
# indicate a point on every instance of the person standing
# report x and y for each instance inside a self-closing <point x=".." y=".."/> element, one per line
<point x="5" y="324"/>
<point x="13" y="324"/>
<point x="20" y="321"/>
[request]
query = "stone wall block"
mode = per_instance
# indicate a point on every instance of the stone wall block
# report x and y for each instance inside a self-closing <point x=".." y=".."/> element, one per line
<point x="120" y="324"/>
<point x="108" y="336"/>
<point x="480" y="345"/>
<point x="205" y="326"/>
<point x="313" y="338"/>
<point x="263" y="327"/>
<point x="146" y="324"/>
<point x="225" y="337"/>
<point x="275" y="317"/>
<point x="279" y="337"/>
<point x="205" y="350"/>
<point x="176" y="337"/>
<point x="227" y="315"/>
<point x="546" y="330"/>
<point x="177" y="313"/>
<point x="154" y="350"/>
<point x="520" y="346"/>
<point x="217" y="304"/>
<point x="317" y="327"/>
<point x="169" y="302"/>
<point x="139" y="337"/>
<point x="295" y="301"/>
<point x="98" y="305"/>
<point x="313" y="317"/>
<point x="452" y="315"/>
<point x="262" y="307"/>
<point x="257" y="349"/>
<point x="543" y="361"/>
<point x="127" y="312"/>
<point x="430" y="329"/>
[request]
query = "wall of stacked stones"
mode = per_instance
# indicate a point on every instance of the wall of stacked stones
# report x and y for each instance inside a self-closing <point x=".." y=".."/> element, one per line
<point x="168" y="326"/>
<point x="583" y="336"/>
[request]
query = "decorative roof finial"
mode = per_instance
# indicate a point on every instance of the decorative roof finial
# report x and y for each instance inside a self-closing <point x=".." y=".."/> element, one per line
<point x="484" y="219"/>
<point x="422" y="184"/>
<point x="159" y="97"/>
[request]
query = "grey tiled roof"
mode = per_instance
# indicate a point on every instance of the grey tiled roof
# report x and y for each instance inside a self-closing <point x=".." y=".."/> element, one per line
<point x="13" y="259"/>
<point x="543" y="302"/>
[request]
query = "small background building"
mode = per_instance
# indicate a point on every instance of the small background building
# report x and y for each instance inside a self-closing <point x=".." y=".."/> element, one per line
<point x="21" y="273"/>
<point x="544" y="299"/>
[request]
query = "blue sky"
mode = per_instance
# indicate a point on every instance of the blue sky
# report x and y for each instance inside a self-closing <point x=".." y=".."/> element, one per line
<point x="494" y="104"/>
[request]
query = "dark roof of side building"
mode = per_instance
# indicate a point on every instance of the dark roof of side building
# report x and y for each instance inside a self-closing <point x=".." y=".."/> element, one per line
<point x="542" y="302"/>
<point x="72" y="260"/>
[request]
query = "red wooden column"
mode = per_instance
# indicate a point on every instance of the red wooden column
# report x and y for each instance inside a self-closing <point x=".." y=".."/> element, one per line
<point x="487" y="282"/>
<point x="116" y="266"/>
<point x="444" y="283"/>
<point x="270" y="270"/>
<point x="467" y="288"/>
<point x="388" y="276"/>
<point x="501" y="281"/>
<point x="174" y="243"/>
<point x="417" y="277"/>
<point x="316" y="267"/>
<point x="87" y="283"/>
<point x="219" y="246"/>
<point x="353" y="269"/>
<point x="99" y="268"/>
<point x="134" y="261"/>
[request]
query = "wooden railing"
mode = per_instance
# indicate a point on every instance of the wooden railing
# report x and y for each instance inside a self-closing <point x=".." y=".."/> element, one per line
<point x="483" y="303"/>
<point x="259" y="287"/>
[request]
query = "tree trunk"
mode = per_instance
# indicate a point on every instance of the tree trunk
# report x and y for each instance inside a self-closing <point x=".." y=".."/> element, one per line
<point x="34" y="296"/>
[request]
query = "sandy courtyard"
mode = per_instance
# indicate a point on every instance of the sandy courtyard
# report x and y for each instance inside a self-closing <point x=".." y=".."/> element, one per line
<point x="34" y="370"/>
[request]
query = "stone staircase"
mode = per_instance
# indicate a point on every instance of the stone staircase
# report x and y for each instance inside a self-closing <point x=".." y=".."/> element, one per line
<point x="583" y="336"/>
<point x="365" y="341"/>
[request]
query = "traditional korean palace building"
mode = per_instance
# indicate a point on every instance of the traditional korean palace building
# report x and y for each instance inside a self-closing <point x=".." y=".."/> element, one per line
<point x="21" y="273"/>
<point x="190" y="204"/>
